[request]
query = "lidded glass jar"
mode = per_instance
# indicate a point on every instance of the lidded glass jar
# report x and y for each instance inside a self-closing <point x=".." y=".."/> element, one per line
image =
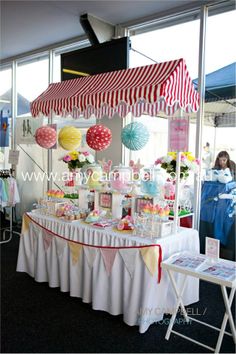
<point x="152" y="181"/>
<point x="93" y="176"/>
<point x="120" y="179"/>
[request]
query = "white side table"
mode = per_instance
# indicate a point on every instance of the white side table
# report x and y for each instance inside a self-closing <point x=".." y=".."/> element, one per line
<point x="198" y="272"/>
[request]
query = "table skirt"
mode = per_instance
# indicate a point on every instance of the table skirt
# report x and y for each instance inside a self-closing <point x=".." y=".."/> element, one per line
<point x="118" y="283"/>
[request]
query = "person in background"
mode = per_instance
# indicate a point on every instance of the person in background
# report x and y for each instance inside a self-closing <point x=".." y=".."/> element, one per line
<point x="223" y="161"/>
<point x="207" y="159"/>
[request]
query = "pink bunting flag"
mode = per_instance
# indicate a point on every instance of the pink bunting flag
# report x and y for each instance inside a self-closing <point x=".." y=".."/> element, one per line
<point x="47" y="240"/>
<point x="108" y="255"/>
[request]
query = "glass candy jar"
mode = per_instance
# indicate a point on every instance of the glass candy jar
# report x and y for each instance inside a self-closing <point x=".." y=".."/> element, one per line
<point x="93" y="176"/>
<point x="152" y="181"/>
<point x="120" y="179"/>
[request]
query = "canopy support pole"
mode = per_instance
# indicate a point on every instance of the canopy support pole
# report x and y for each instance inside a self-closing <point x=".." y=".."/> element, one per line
<point x="200" y="113"/>
<point x="177" y="192"/>
<point x="50" y="121"/>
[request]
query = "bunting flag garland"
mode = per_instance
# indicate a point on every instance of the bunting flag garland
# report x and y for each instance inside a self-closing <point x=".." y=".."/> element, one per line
<point x="129" y="257"/>
<point x="47" y="240"/>
<point x="25" y="224"/>
<point x="90" y="254"/>
<point x="108" y="256"/>
<point x="60" y="245"/>
<point x="150" y="257"/>
<point x="151" y="254"/>
<point x="75" y="249"/>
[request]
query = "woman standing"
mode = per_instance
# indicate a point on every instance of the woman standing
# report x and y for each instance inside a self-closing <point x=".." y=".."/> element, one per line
<point x="223" y="161"/>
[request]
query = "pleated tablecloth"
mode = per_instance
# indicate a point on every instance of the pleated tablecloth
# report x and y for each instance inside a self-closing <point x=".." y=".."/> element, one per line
<point x="118" y="277"/>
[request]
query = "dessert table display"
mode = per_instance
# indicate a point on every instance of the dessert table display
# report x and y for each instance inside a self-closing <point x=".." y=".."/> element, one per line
<point x="113" y="260"/>
<point x="115" y="271"/>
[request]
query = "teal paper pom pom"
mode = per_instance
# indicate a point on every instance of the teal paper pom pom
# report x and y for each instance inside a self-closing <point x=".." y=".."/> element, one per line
<point x="134" y="136"/>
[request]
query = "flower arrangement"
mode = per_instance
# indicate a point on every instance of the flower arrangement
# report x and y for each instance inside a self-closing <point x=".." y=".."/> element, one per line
<point x="77" y="159"/>
<point x="188" y="163"/>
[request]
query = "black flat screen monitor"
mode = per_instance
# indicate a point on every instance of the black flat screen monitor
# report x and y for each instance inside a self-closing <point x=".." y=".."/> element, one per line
<point x="100" y="58"/>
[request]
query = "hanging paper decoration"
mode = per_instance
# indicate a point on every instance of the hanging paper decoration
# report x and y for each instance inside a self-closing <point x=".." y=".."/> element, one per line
<point x="98" y="137"/>
<point x="70" y="138"/>
<point x="46" y="137"/>
<point x="135" y="136"/>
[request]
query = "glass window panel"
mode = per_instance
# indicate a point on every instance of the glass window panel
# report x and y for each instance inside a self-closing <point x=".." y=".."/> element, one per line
<point x="179" y="41"/>
<point x="5" y="108"/>
<point x="31" y="81"/>
<point x="220" y="52"/>
<point x="5" y="90"/>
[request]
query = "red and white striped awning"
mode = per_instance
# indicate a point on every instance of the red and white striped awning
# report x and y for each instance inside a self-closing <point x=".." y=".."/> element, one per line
<point x="151" y="89"/>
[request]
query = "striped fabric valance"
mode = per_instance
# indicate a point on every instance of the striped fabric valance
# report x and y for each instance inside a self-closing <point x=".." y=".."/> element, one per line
<point x="151" y="89"/>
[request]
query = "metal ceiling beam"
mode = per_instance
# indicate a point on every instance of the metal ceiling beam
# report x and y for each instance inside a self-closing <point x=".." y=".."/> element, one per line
<point x="177" y="15"/>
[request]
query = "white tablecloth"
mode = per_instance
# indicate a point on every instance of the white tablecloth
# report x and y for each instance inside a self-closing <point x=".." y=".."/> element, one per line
<point x="129" y="289"/>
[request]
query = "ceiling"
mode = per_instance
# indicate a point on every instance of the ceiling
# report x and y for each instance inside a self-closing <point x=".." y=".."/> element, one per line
<point x="29" y="25"/>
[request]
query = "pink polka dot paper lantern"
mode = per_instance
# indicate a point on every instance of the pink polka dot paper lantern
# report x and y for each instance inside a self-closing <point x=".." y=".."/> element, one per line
<point x="98" y="137"/>
<point x="46" y="137"/>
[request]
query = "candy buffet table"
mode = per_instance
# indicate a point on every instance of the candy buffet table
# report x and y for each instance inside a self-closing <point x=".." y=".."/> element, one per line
<point x="114" y="271"/>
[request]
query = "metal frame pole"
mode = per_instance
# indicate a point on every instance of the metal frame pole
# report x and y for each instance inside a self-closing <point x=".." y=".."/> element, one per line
<point x="50" y="121"/>
<point x="200" y="113"/>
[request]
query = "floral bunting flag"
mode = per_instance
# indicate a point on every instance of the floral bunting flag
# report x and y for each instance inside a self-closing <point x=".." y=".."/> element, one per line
<point x="150" y="257"/>
<point x="129" y="257"/>
<point x="25" y="224"/>
<point x="108" y="256"/>
<point x="75" y="249"/>
<point x="60" y="244"/>
<point x="47" y="240"/>
<point x="90" y="254"/>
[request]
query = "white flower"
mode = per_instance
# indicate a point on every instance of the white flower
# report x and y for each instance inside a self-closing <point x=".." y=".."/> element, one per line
<point x="167" y="159"/>
<point x="82" y="158"/>
<point x="188" y="163"/>
<point x="90" y="158"/>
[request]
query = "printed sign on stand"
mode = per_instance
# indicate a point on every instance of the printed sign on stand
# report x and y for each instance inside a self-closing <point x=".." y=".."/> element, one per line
<point x="13" y="157"/>
<point x="178" y="136"/>
<point x="212" y="248"/>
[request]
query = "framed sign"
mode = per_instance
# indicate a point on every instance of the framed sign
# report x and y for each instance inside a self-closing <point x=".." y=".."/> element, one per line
<point x="140" y="203"/>
<point x="13" y="157"/>
<point x="212" y="248"/>
<point x="26" y="128"/>
<point x="105" y="200"/>
<point x="178" y="136"/>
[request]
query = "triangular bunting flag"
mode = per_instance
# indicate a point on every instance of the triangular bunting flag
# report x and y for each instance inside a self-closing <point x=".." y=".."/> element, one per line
<point x="108" y="256"/>
<point x="90" y="253"/>
<point x="25" y="224"/>
<point x="129" y="257"/>
<point x="60" y="244"/>
<point x="75" y="249"/>
<point x="36" y="229"/>
<point x="150" y="257"/>
<point x="47" y="240"/>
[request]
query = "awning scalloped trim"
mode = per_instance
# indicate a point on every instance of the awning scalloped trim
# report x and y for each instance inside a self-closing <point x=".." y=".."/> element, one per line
<point x="122" y="109"/>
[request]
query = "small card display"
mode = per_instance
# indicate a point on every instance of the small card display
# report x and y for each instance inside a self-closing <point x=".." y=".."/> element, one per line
<point x="141" y="203"/>
<point x="212" y="248"/>
<point x="191" y="262"/>
<point x="221" y="270"/>
<point x="105" y="200"/>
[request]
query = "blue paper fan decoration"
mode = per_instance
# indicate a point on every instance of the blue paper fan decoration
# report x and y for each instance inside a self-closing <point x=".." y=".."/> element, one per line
<point x="135" y="136"/>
